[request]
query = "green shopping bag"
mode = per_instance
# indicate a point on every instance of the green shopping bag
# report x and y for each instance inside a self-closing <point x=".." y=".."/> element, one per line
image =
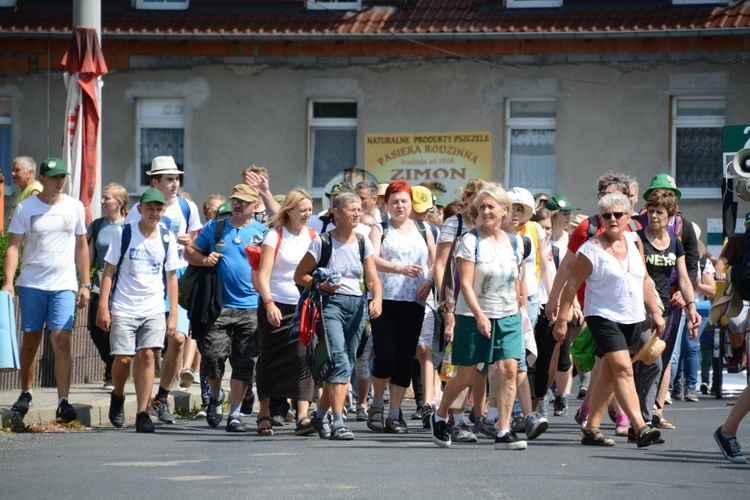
<point x="583" y="350"/>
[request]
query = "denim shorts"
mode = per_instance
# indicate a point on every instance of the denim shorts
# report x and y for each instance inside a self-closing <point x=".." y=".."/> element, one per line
<point x="56" y="308"/>
<point x="127" y="335"/>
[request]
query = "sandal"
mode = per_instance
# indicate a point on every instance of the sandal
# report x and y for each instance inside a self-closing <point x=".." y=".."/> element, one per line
<point x="594" y="437"/>
<point x="395" y="426"/>
<point x="666" y="424"/>
<point x="304" y="427"/>
<point x="647" y="436"/>
<point x="375" y="421"/>
<point x="264" y="431"/>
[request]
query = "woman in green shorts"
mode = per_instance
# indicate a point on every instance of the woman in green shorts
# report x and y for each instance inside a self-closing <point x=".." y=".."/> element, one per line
<point x="488" y="326"/>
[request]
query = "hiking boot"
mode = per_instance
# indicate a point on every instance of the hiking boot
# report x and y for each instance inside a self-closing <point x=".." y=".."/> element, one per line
<point x="116" y="410"/>
<point x="518" y="424"/>
<point x="21" y="406"/>
<point x="143" y="423"/>
<point x="426" y="414"/>
<point x="534" y="426"/>
<point x="65" y="413"/>
<point x="729" y="447"/>
<point x="462" y="434"/>
<point x="186" y="378"/>
<point x="440" y="434"/>
<point x="341" y="433"/>
<point x="691" y="395"/>
<point x="561" y="406"/>
<point x="215" y="413"/>
<point x="485" y="429"/>
<point x="509" y="442"/>
<point x="162" y="410"/>
<point x="678" y="392"/>
<point x="322" y="425"/>
<point x="234" y="424"/>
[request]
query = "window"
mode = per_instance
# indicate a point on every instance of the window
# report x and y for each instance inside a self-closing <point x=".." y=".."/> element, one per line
<point x="333" y="4"/>
<point x="532" y="4"/>
<point x="530" y="151"/>
<point x="7" y="3"/>
<point x="162" y="4"/>
<point x="697" y="145"/>
<point x="332" y="142"/>
<point x="160" y="131"/>
<point x="693" y="2"/>
<point x="5" y="145"/>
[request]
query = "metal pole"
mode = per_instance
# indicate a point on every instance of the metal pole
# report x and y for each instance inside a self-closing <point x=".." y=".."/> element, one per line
<point x="88" y="14"/>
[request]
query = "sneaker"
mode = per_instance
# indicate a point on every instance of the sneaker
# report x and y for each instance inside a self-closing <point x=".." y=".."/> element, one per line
<point x="425" y="415"/>
<point x="143" y="423"/>
<point x="323" y="426"/>
<point x="691" y="395"/>
<point x="65" y="413"/>
<point x="541" y="407"/>
<point x="485" y="429"/>
<point x="246" y="408"/>
<point x="729" y="447"/>
<point x="348" y="402"/>
<point x="116" y="410"/>
<point x="561" y="406"/>
<point x="582" y="392"/>
<point x="678" y="392"/>
<point x="440" y="434"/>
<point x="21" y="406"/>
<point x="704" y="388"/>
<point x="668" y="399"/>
<point x="234" y="424"/>
<point x="186" y="378"/>
<point x="108" y="385"/>
<point x="215" y="413"/>
<point x="518" y="424"/>
<point x="361" y="414"/>
<point x="462" y="434"/>
<point x="341" y="433"/>
<point x="162" y="410"/>
<point x="278" y="421"/>
<point x="509" y="442"/>
<point x="534" y="426"/>
<point x="580" y="418"/>
<point x="202" y="411"/>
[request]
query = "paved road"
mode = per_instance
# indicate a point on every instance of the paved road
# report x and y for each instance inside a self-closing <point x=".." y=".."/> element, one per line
<point x="191" y="460"/>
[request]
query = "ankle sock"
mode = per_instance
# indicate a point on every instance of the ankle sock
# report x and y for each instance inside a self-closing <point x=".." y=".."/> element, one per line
<point x="162" y="393"/>
<point x="585" y="410"/>
<point x="438" y="418"/>
<point x="492" y="414"/>
<point x="338" y="420"/>
<point x="321" y="413"/>
<point x="377" y="403"/>
<point x="393" y="413"/>
<point x="215" y="394"/>
<point x="234" y="411"/>
<point x="621" y="419"/>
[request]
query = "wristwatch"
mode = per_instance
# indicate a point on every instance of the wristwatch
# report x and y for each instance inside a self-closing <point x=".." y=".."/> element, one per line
<point x="85" y="285"/>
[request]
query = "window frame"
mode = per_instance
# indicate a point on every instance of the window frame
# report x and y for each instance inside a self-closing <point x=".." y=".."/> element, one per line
<point x="7" y="122"/>
<point x="532" y="4"/>
<point x="512" y="123"/>
<point x="323" y="123"/>
<point x="162" y="4"/>
<point x="157" y="122"/>
<point x="693" y="122"/>
<point x="333" y="5"/>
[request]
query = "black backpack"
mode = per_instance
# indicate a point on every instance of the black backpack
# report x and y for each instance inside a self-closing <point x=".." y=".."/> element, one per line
<point x="741" y="271"/>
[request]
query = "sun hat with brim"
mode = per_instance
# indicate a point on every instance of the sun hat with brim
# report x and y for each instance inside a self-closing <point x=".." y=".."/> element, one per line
<point x="224" y="209"/>
<point x="662" y="181"/>
<point x="381" y="188"/>
<point x="279" y="198"/>
<point x="421" y="199"/>
<point x="651" y="350"/>
<point x="521" y="196"/>
<point x="341" y="187"/>
<point x="153" y="194"/>
<point x="52" y="167"/>
<point x="163" y="165"/>
<point x="560" y="202"/>
<point x="245" y="193"/>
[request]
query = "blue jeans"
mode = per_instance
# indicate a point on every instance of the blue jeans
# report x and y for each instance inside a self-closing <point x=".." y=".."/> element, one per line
<point x="344" y="319"/>
<point x="687" y="355"/>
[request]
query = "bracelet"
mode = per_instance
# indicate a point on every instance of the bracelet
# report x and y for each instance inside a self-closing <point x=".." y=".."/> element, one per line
<point x="691" y="302"/>
<point x="269" y="301"/>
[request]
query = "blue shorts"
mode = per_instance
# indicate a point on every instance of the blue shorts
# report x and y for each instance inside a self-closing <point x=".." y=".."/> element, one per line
<point x="56" y="308"/>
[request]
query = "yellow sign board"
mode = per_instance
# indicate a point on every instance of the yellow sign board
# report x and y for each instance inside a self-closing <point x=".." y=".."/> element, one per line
<point x="450" y="159"/>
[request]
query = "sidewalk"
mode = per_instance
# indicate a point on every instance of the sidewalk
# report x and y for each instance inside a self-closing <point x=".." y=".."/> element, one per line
<point x="92" y="402"/>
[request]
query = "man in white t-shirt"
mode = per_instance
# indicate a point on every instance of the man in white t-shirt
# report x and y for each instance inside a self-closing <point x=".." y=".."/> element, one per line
<point x="368" y="193"/>
<point x="51" y="225"/>
<point x="139" y="265"/>
<point x="324" y="221"/>
<point x="182" y="218"/>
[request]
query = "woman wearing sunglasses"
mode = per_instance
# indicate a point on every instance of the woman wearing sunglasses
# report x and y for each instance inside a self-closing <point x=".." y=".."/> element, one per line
<point x="616" y="287"/>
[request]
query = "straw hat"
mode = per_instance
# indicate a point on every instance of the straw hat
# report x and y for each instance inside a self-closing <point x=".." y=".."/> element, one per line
<point x="650" y="350"/>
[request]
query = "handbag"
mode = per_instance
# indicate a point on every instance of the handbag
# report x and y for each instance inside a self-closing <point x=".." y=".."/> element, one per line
<point x="583" y="350"/>
<point x="186" y="282"/>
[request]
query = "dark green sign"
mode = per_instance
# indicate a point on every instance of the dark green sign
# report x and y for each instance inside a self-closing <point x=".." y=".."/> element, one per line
<point x="736" y="137"/>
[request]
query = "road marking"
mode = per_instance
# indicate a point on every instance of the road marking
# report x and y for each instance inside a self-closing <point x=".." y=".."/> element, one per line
<point x="274" y="454"/>
<point x="194" y="478"/>
<point x="175" y="463"/>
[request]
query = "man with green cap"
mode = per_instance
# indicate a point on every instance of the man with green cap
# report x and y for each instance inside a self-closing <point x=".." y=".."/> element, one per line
<point x="52" y="227"/>
<point x="140" y="268"/>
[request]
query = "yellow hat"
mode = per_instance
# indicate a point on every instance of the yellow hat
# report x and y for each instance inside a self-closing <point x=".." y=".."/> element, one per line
<point x="421" y="199"/>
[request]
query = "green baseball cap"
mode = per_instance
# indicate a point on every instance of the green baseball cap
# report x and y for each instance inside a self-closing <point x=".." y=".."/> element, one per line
<point x="662" y="181"/>
<point x="224" y="209"/>
<point x="560" y="202"/>
<point x="52" y="167"/>
<point x="153" y="194"/>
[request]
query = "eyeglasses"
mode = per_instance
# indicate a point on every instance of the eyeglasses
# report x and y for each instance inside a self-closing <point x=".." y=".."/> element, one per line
<point x="616" y="215"/>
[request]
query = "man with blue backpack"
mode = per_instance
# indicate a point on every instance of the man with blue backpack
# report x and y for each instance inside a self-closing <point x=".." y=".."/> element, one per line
<point x="182" y="218"/>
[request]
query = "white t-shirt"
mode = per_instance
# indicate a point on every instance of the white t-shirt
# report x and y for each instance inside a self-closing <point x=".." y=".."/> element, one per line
<point x="177" y="225"/>
<point x="346" y="260"/>
<point x="317" y="224"/>
<point x="291" y="251"/>
<point x="140" y="287"/>
<point x="50" y="233"/>
<point x="614" y="289"/>
<point x="495" y="274"/>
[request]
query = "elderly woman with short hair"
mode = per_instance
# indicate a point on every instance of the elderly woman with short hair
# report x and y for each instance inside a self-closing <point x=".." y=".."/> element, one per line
<point x="617" y="287"/>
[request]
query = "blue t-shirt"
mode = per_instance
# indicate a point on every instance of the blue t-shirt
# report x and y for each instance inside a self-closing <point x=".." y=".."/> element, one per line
<point x="237" y="290"/>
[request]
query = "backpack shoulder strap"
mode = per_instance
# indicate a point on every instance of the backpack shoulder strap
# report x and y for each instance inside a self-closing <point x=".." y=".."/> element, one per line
<point x="384" y="229"/>
<point x="555" y="255"/>
<point x="593" y="226"/>
<point x="361" y="244"/>
<point x="124" y="244"/>
<point x="325" y="249"/>
<point x="280" y="234"/>
<point x="460" y="224"/>
<point x="185" y="207"/>
<point x="422" y="230"/>
<point x="219" y="230"/>
<point x="526" y="246"/>
<point x="514" y="238"/>
<point x="165" y="236"/>
<point x="95" y="228"/>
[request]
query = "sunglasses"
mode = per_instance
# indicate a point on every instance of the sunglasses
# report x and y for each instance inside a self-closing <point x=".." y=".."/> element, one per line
<point x="616" y="215"/>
